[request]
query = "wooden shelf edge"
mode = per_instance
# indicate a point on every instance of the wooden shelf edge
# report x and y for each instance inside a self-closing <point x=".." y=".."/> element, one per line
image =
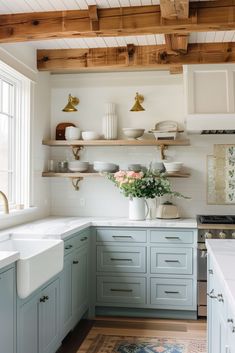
<point x="84" y="175"/>
<point x="184" y="142"/>
<point x="69" y="175"/>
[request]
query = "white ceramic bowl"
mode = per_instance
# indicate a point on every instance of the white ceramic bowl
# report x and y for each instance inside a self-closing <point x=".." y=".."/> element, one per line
<point x="105" y="167"/>
<point x="78" y="166"/>
<point x="90" y="135"/>
<point x="133" y="133"/>
<point x="172" y="167"/>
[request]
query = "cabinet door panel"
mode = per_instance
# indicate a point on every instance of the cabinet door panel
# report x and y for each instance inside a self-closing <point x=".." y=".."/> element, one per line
<point x="66" y="296"/>
<point x="79" y="282"/>
<point x="27" y="327"/>
<point x="119" y="290"/>
<point x="172" y="260"/>
<point x="171" y="292"/>
<point x="172" y="236"/>
<point x="121" y="259"/>
<point x="49" y="318"/>
<point x="7" y="311"/>
<point x="121" y="235"/>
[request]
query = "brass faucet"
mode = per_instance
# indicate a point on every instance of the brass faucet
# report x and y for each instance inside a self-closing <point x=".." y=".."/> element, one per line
<point x="5" y="202"/>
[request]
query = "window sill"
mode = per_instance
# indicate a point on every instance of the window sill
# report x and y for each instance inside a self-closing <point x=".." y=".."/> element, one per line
<point x="17" y="213"/>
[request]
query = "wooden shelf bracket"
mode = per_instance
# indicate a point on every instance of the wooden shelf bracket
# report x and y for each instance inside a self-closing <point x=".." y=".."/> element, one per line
<point x="75" y="182"/>
<point x="76" y="151"/>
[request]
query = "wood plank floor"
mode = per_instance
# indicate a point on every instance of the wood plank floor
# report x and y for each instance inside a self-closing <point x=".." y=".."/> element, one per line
<point x="130" y="327"/>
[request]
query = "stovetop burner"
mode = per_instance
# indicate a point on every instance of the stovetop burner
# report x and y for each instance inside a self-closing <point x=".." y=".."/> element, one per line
<point x="214" y="219"/>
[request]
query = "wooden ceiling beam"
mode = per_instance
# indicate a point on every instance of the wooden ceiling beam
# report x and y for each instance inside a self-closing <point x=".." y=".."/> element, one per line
<point x="133" y="57"/>
<point x="171" y="9"/>
<point x="203" y="16"/>
<point x="177" y="43"/>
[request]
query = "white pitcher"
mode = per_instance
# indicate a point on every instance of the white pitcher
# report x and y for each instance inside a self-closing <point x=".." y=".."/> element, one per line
<point x="137" y="210"/>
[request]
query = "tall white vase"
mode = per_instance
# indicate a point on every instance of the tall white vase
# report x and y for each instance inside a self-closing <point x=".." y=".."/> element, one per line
<point x="137" y="209"/>
<point x="109" y="122"/>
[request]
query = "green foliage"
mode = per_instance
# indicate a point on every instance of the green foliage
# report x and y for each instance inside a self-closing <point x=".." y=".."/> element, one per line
<point x="148" y="184"/>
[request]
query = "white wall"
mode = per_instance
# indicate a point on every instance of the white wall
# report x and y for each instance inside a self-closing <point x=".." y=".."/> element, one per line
<point x="164" y="99"/>
<point x="22" y="58"/>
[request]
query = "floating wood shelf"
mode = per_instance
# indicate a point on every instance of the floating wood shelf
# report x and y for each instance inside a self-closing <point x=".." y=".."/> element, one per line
<point x="185" y="142"/>
<point x="84" y="175"/>
<point x="77" y="145"/>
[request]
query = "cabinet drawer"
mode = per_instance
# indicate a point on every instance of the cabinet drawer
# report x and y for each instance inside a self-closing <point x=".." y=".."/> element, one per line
<point x="172" y="236"/>
<point x="69" y="246"/>
<point x="82" y="238"/>
<point x="121" y="235"/>
<point x="121" y="290"/>
<point x="172" y="292"/>
<point x="172" y="260"/>
<point x="121" y="259"/>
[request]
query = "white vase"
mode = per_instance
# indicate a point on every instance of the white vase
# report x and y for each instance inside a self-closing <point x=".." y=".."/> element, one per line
<point x="109" y="122"/>
<point x="137" y="209"/>
<point x="151" y="208"/>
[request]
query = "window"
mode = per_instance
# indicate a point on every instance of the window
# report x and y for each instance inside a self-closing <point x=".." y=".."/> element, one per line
<point x="14" y="136"/>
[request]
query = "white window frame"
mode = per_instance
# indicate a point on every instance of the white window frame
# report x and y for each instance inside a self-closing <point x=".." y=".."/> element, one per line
<point x="21" y="141"/>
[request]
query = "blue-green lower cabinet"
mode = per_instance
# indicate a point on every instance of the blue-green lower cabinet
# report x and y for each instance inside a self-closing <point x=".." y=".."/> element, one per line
<point x="74" y="289"/>
<point x="38" y="321"/>
<point x="7" y="317"/>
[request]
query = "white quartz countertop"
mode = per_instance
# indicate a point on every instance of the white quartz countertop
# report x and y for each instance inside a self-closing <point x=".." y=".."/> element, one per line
<point x="62" y="227"/>
<point x="8" y="257"/>
<point x="223" y="253"/>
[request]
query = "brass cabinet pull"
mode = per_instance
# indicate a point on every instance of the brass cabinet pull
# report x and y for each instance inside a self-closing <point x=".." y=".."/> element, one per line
<point x="121" y="290"/>
<point x="75" y="262"/>
<point x="171" y="292"/>
<point x="115" y="259"/>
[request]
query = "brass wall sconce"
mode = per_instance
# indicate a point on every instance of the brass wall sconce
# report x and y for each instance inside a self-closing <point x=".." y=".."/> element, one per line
<point x="137" y="107"/>
<point x="70" y="106"/>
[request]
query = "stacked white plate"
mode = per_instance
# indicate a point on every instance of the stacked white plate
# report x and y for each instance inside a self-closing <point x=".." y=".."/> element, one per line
<point x="105" y="167"/>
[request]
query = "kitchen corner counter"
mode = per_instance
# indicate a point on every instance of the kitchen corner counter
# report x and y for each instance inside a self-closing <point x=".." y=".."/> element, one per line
<point x="62" y="227"/>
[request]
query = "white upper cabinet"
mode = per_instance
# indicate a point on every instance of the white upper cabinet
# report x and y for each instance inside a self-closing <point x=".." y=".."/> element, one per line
<point x="209" y="94"/>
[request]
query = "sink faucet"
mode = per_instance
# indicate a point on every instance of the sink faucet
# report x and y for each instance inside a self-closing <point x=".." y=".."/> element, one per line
<point x="5" y="202"/>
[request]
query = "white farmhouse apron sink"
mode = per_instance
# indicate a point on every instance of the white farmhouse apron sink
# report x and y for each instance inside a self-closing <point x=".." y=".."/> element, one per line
<point x="40" y="260"/>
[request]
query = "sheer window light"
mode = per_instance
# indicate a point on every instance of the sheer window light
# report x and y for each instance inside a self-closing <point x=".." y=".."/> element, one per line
<point x="14" y="136"/>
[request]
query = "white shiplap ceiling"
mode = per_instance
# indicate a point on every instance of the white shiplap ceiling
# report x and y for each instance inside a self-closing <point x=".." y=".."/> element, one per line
<point x="24" y="6"/>
<point x="19" y="6"/>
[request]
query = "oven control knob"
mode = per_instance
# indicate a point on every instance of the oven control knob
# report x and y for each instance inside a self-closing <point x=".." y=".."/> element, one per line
<point x="208" y="235"/>
<point x="222" y="235"/>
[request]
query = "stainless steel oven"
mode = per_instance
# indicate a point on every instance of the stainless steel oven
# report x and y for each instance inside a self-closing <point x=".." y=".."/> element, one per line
<point x="216" y="227"/>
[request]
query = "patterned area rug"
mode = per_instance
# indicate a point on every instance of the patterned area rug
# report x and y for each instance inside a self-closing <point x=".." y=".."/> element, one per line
<point x="126" y="344"/>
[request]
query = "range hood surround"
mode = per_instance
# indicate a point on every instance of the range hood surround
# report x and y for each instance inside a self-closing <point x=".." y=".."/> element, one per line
<point x="197" y="123"/>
